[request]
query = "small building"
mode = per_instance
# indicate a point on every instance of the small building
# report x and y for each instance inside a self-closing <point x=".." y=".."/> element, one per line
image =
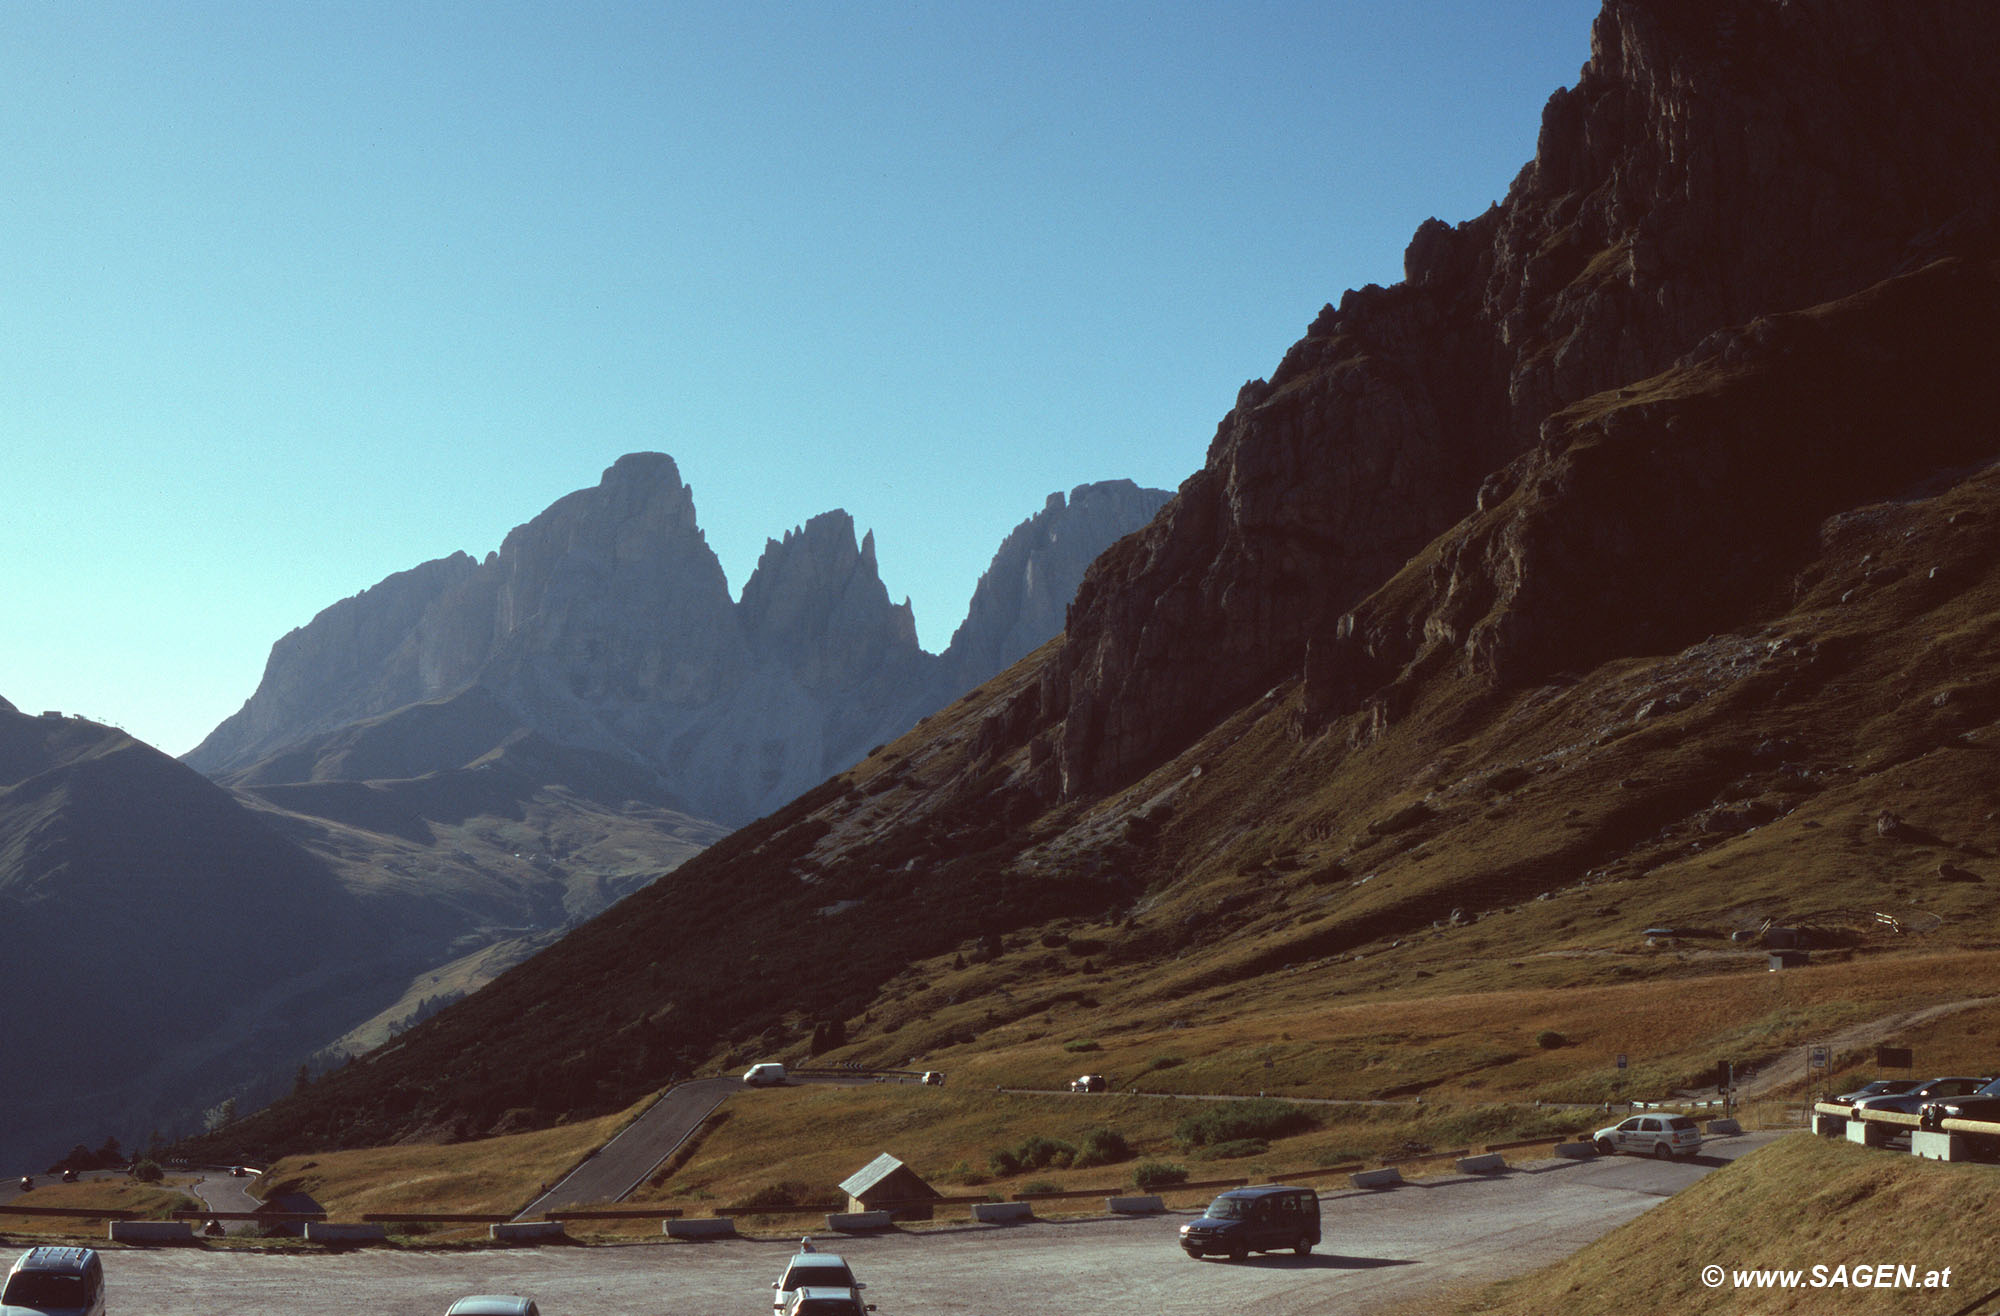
<point x="885" y="1183"/>
<point x="1789" y="959"/>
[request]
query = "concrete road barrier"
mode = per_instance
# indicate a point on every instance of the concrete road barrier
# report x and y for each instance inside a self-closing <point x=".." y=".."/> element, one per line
<point x="718" y="1227"/>
<point x="343" y="1234"/>
<point x="528" y="1231"/>
<point x="152" y="1231"/>
<point x="855" y="1222"/>
<point x="1722" y="1128"/>
<point x="1939" y="1145"/>
<point x="1868" y="1133"/>
<point x="1829" y="1126"/>
<point x="1577" y="1151"/>
<point x="1000" y="1213"/>
<point x="1488" y="1164"/>
<point x="1387" y="1178"/>
<point x="1134" y="1205"/>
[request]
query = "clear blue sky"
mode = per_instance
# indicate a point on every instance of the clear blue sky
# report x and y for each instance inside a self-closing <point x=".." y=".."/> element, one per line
<point x="297" y="295"/>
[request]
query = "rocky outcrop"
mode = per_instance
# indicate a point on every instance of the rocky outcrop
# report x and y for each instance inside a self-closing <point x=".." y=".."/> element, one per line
<point x="1024" y="593"/>
<point x="1648" y="518"/>
<point x="605" y="625"/>
<point x="1712" y="163"/>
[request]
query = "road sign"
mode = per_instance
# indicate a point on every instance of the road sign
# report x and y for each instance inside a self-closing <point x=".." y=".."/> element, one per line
<point x="1819" y="1057"/>
<point x="1621" y="1060"/>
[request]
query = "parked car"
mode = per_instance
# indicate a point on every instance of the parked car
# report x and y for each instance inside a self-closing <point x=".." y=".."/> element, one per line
<point x="1087" y="1083"/>
<point x="933" y="1078"/>
<point x="494" y="1304"/>
<point x="1664" y="1136"/>
<point x="1881" y="1087"/>
<point x="1268" y="1218"/>
<point x="1983" y="1104"/>
<point x="815" y="1301"/>
<point x="55" y="1281"/>
<point x="822" y="1271"/>
<point x="768" y="1074"/>
<point x="1932" y="1089"/>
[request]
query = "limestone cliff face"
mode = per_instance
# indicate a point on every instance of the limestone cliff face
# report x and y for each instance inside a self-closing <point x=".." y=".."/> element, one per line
<point x="1023" y="595"/>
<point x="1714" y="162"/>
<point x="606" y="625"/>
<point x="354" y="661"/>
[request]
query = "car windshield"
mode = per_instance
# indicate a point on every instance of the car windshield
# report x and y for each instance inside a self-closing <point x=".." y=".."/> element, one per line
<point x="817" y="1274"/>
<point x="1228" y="1208"/>
<point x="38" y="1288"/>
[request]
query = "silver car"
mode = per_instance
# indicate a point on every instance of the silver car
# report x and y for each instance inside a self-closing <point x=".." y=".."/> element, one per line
<point x="1664" y="1136"/>
<point x="494" y="1304"/>
<point x="814" y="1270"/>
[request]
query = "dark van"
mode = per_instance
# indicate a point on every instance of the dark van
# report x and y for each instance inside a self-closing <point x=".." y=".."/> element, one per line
<point x="55" y="1281"/>
<point x="1264" y="1219"/>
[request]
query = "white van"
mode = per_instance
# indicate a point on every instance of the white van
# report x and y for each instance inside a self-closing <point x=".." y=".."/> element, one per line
<point x="768" y="1074"/>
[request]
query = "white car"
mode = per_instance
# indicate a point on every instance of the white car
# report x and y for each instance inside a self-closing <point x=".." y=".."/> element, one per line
<point x="768" y="1074"/>
<point x="1664" y="1136"/>
<point x="815" y="1301"/>
<point x="825" y="1274"/>
<point x="494" y="1304"/>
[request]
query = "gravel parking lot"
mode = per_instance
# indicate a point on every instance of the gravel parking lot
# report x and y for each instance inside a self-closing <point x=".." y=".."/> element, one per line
<point x="1381" y="1248"/>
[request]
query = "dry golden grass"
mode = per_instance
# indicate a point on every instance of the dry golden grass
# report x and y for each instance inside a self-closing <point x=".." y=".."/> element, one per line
<point x="1798" y="1203"/>
<point x="149" y="1201"/>
<point x="489" y="1176"/>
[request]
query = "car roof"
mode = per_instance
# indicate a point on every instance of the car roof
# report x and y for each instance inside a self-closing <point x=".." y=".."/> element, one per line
<point x="1267" y="1190"/>
<point x="60" y="1260"/>
<point x="492" y="1304"/>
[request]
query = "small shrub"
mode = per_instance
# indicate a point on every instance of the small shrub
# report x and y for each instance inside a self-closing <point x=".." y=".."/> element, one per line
<point x="1102" y="1147"/>
<point x="1549" y="1039"/>
<point x="1034" y="1153"/>
<point x="1260" y="1117"/>
<point x="1152" y="1175"/>
<point x="1080" y="1046"/>
<point x="1040" y="1186"/>
<point x="1234" y="1149"/>
<point x="148" y="1172"/>
<point x="789" y="1193"/>
<point x="1164" y="1062"/>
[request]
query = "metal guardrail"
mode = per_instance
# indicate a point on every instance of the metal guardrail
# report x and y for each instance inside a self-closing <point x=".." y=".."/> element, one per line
<point x="1988" y="1127"/>
<point x="73" y="1212"/>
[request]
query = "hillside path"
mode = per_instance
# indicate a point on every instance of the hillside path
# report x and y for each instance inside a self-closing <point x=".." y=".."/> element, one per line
<point x="1771" y="1074"/>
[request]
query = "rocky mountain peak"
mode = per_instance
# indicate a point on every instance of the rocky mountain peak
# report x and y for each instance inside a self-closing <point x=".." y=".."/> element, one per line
<point x="1024" y="594"/>
<point x="816" y="599"/>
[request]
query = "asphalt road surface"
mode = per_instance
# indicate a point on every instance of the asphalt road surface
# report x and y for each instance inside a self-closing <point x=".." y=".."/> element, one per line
<point x="623" y="1163"/>
<point x="219" y="1190"/>
<point x="1381" y="1249"/>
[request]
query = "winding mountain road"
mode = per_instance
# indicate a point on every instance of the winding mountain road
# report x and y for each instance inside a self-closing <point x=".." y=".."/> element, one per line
<point x="623" y="1163"/>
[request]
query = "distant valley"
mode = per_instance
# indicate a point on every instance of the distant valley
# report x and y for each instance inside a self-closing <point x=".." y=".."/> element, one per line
<point x="441" y="776"/>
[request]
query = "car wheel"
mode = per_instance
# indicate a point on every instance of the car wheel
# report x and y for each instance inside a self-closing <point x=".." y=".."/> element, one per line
<point x="1662" y="1152"/>
<point x="1303" y="1247"/>
<point x="1238" y="1252"/>
<point x="1606" y="1147"/>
